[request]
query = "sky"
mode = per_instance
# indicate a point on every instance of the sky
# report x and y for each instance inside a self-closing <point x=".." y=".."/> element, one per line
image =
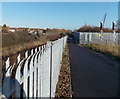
<point x="60" y="0"/>
<point x="64" y="15"/>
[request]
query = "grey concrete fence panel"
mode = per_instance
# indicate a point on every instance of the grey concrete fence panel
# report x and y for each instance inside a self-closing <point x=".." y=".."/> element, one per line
<point x="95" y="38"/>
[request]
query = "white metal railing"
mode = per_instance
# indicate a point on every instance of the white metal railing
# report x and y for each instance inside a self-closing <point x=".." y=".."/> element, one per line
<point x="36" y="74"/>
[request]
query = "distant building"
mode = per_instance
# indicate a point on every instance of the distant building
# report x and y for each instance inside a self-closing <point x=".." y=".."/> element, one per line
<point x="31" y="31"/>
<point x="22" y="29"/>
<point x="35" y="31"/>
<point x="40" y="30"/>
<point x="118" y="24"/>
<point x="12" y="29"/>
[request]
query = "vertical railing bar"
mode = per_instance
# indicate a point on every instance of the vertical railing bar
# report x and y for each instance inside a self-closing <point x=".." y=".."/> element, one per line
<point x="51" y="69"/>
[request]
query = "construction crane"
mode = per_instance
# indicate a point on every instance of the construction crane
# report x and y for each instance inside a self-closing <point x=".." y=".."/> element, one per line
<point x="104" y="18"/>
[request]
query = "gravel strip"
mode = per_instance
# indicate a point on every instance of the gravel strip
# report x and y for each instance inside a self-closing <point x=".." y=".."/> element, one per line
<point x="63" y="88"/>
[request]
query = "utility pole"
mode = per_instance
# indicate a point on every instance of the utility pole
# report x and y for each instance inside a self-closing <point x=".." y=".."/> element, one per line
<point x="101" y="30"/>
<point x="113" y="28"/>
<point x="101" y="26"/>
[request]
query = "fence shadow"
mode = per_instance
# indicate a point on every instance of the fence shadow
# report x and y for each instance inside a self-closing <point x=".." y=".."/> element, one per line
<point x="12" y="88"/>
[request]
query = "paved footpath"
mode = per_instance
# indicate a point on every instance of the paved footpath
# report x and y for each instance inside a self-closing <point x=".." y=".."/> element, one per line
<point x="92" y="74"/>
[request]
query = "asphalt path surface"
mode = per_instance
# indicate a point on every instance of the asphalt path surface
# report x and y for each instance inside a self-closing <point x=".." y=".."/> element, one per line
<point x="92" y="74"/>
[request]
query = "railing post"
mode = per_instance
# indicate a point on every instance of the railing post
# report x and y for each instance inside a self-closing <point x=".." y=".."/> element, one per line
<point x="35" y="75"/>
<point x="41" y="70"/>
<point x="51" y="69"/>
<point x="31" y="85"/>
<point x="17" y="79"/>
<point x="31" y="76"/>
<point x="39" y="65"/>
<point x="25" y="85"/>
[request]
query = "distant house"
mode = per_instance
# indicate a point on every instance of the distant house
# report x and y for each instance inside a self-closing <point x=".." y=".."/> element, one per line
<point x="35" y="31"/>
<point x="41" y="30"/>
<point x="19" y="29"/>
<point x="22" y="29"/>
<point x="12" y="29"/>
<point x="31" y="30"/>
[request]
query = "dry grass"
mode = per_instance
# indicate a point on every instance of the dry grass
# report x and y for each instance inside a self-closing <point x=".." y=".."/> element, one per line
<point x="14" y="42"/>
<point x="8" y="51"/>
<point x="63" y="88"/>
<point x="11" y="39"/>
<point x="19" y="41"/>
<point x="110" y="49"/>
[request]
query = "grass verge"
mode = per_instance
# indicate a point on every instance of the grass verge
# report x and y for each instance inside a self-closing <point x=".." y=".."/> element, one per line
<point x="111" y="50"/>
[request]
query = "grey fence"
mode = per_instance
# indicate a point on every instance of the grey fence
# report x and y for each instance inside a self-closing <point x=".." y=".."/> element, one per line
<point x="94" y="38"/>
